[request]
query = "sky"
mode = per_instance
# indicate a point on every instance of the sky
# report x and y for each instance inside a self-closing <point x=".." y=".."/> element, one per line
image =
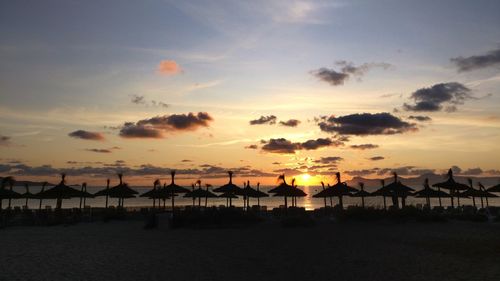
<point x="305" y="88"/>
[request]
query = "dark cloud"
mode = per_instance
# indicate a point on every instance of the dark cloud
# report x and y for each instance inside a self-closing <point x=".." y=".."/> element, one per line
<point x="329" y="160"/>
<point x="4" y="140"/>
<point x="318" y="143"/>
<point x="438" y="97"/>
<point x="186" y="160"/>
<point x="290" y="123"/>
<point x="270" y="119"/>
<point x="364" y="146"/>
<point x="420" y="118"/>
<point x="99" y="150"/>
<point x="252" y="146"/>
<point x="141" y="100"/>
<point x="405" y="171"/>
<point x="347" y="69"/>
<point x="157" y="126"/>
<point x="138" y="99"/>
<point x="366" y="124"/>
<point x="362" y="172"/>
<point x="280" y="145"/>
<point x="492" y="58"/>
<point x="472" y="172"/>
<point x="86" y="135"/>
<point x="377" y="158"/>
<point x="285" y="146"/>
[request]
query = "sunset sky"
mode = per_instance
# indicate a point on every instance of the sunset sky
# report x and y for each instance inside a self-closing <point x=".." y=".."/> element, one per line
<point x="307" y="88"/>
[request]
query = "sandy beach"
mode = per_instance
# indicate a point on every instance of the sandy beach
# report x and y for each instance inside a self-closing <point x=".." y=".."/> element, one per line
<point x="123" y="250"/>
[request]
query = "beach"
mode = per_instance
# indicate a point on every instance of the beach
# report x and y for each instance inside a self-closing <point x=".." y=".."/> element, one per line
<point x="123" y="250"/>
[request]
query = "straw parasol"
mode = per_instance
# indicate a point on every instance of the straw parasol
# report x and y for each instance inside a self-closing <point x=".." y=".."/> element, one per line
<point x="173" y="189"/>
<point x="339" y="190"/>
<point x="283" y="189"/>
<point x="104" y="192"/>
<point x="429" y="193"/>
<point x="384" y="192"/>
<point x="398" y="189"/>
<point x="27" y="195"/>
<point x="495" y="188"/>
<point x="362" y="193"/>
<point x="249" y="192"/>
<point x="453" y="186"/>
<point x="8" y="193"/>
<point x="229" y="187"/>
<point x="62" y="191"/>
<point x="200" y="193"/>
<point x="152" y="193"/>
<point x="485" y="193"/>
<point x="120" y="191"/>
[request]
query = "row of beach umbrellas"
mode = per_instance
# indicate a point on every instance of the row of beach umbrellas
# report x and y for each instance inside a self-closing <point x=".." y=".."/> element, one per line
<point x="396" y="191"/>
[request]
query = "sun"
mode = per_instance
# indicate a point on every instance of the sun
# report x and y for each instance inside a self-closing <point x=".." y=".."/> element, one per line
<point x="305" y="177"/>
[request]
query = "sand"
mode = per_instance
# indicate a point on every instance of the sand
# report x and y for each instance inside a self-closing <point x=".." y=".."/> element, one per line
<point x="327" y="251"/>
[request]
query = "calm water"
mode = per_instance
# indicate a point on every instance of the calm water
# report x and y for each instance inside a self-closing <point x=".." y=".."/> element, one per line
<point x="271" y="202"/>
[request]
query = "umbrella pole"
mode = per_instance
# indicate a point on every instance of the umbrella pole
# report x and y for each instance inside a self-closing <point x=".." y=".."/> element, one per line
<point x="487" y="205"/>
<point x="482" y="203"/>
<point x="173" y="204"/>
<point x="106" y="201"/>
<point x="331" y="202"/>
<point x="474" y="201"/>
<point x="439" y="196"/>
<point x="206" y="199"/>
<point x="286" y="203"/>
<point x="428" y="202"/>
<point x="385" y="204"/>
<point x="363" y="202"/>
<point x="39" y="205"/>
<point x="458" y="200"/>
<point x="341" y="202"/>
<point x="199" y="201"/>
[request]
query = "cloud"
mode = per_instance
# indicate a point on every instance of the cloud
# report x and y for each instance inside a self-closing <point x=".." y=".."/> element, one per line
<point x="435" y="97"/>
<point x="103" y="150"/>
<point x="405" y="171"/>
<point x="420" y="118"/>
<point x="4" y="140"/>
<point x="347" y="70"/>
<point x="169" y="67"/>
<point x="362" y="172"/>
<point x="252" y="146"/>
<point x="329" y="160"/>
<point x="290" y="123"/>
<point x="472" y="172"/>
<point x="141" y="100"/>
<point x="366" y="124"/>
<point x="186" y="161"/>
<point x="271" y="120"/>
<point x="492" y="58"/>
<point x="99" y="150"/>
<point x="157" y="127"/>
<point x="376" y="158"/>
<point x="280" y="145"/>
<point x="284" y="146"/>
<point x="364" y="146"/>
<point x="86" y="135"/>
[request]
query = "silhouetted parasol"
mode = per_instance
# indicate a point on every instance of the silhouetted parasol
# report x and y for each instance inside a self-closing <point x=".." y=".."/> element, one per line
<point x="229" y="187"/>
<point x="8" y="193"/>
<point x="120" y="191"/>
<point x="283" y="189"/>
<point x="152" y="193"/>
<point x="495" y="188"/>
<point x="173" y="189"/>
<point x="362" y="193"/>
<point x="200" y="193"/>
<point x="62" y="191"/>
<point x="249" y="192"/>
<point x="27" y="195"/>
<point x="485" y="194"/>
<point x="453" y="186"/>
<point x="429" y="193"/>
<point x="398" y="189"/>
<point x="384" y="192"/>
<point x="339" y="190"/>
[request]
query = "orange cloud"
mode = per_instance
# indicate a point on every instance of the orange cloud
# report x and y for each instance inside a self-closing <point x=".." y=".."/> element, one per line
<point x="169" y="67"/>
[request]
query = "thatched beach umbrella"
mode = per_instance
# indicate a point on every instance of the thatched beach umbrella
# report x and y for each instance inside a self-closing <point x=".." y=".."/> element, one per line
<point x="494" y="189"/>
<point x="152" y="193"/>
<point x="362" y="193"/>
<point x="27" y="195"/>
<point x="83" y="197"/>
<point x="104" y="192"/>
<point x="485" y="193"/>
<point x="283" y="189"/>
<point x="7" y="193"/>
<point x="429" y="193"/>
<point x="200" y="193"/>
<point x="249" y="192"/>
<point x="229" y="187"/>
<point x="384" y="192"/>
<point x="120" y="191"/>
<point x="260" y="194"/>
<point x="339" y="190"/>
<point x="453" y="186"/>
<point x="173" y="189"/>
<point x="228" y="195"/>
<point x="62" y="191"/>
<point x="398" y="189"/>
